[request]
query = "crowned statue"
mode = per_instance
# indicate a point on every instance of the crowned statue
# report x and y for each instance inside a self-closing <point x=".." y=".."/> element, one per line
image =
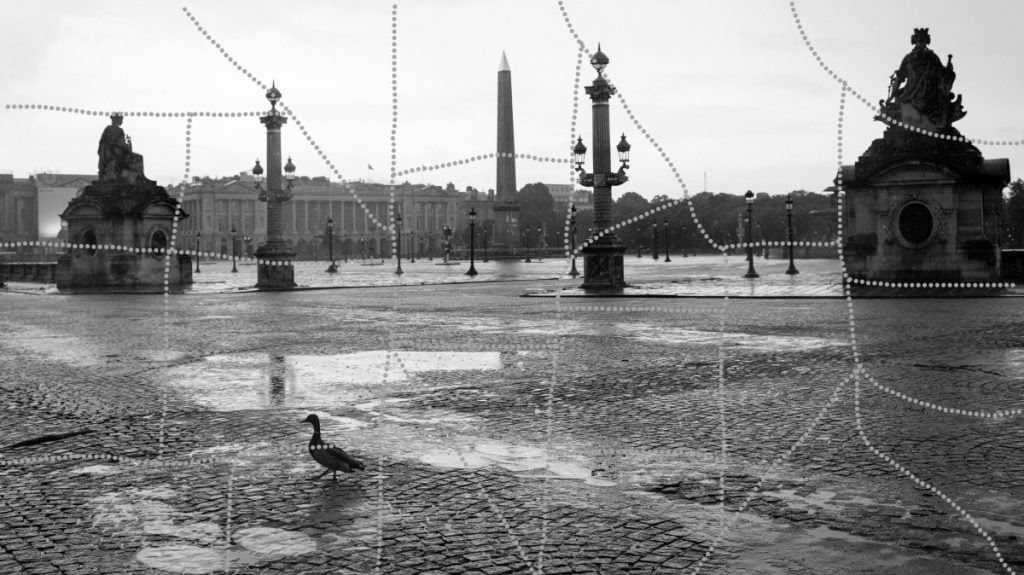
<point x="117" y="160"/>
<point x="920" y="91"/>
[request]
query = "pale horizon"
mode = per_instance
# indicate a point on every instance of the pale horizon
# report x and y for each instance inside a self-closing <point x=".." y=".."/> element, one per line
<point x="727" y="89"/>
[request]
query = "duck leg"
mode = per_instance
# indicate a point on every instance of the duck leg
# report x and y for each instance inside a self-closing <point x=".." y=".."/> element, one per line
<point x="325" y="473"/>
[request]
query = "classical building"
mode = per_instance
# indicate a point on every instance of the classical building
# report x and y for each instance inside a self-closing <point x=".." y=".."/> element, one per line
<point x="563" y="194"/>
<point x="18" y="209"/>
<point x="217" y="205"/>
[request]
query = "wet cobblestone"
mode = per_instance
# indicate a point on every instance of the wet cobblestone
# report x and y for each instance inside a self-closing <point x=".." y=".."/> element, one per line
<point x="641" y="412"/>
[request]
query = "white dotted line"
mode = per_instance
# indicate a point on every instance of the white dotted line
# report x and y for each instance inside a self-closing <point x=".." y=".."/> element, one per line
<point x="126" y="113"/>
<point x="917" y="480"/>
<point x="298" y="124"/>
<point x="679" y="179"/>
<point x="779" y="459"/>
<point x="471" y="159"/>
<point x="223" y="52"/>
<point x="928" y="285"/>
<point x="848" y="281"/>
<point x="878" y="111"/>
<point x="570" y="250"/>
<point x="395" y="237"/>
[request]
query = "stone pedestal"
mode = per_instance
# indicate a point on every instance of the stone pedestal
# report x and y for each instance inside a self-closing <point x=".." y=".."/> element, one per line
<point x="603" y="268"/>
<point x="920" y="209"/>
<point x="275" y="270"/>
<point x="122" y="231"/>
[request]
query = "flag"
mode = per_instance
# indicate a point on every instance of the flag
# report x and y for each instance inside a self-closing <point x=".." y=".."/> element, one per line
<point x="369" y="166"/>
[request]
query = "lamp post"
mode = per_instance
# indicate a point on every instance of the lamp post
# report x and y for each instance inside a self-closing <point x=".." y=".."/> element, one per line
<point x="750" y="236"/>
<point x="789" y="220"/>
<point x="430" y="247"/>
<point x="398" y="243"/>
<point x="331" y="269"/>
<point x="344" y="246"/>
<point x="541" y="243"/>
<point x="275" y="270"/>
<point x="486" y="233"/>
<point x="447" y="243"/>
<point x="199" y="235"/>
<point x="602" y="259"/>
<point x="654" y="235"/>
<point x="248" y="247"/>
<point x="526" y="235"/>
<point x="664" y="226"/>
<point x="412" y="246"/>
<point x="362" y="248"/>
<point x="234" y="269"/>
<point x="572" y="241"/>
<point x="472" y="242"/>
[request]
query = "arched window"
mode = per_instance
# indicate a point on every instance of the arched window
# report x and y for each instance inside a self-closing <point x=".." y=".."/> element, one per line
<point x="89" y="239"/>
<point x="158" y="243"/>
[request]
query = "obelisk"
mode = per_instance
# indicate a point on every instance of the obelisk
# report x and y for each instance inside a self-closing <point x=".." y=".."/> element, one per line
<point x="506" y="206"/>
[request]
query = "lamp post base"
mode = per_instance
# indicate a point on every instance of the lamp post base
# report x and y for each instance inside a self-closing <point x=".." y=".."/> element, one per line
<point x="275" y="270"/>
<point x="603" y="269"/>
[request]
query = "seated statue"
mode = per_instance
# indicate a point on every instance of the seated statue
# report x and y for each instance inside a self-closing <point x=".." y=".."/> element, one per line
<point x="117" y="161"/>
<point x="920" y="90"/>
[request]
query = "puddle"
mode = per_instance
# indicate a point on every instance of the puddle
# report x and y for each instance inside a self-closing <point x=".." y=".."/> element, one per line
<point x="525" y="461"/>
<point x="202" y="548"/>
<point x="728" y="339"/>
<point x="94" y="470"/>
<point x="265" y="381"/>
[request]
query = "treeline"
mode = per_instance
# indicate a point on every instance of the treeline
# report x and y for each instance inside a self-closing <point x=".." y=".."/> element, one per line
<point x="721" y="215"/>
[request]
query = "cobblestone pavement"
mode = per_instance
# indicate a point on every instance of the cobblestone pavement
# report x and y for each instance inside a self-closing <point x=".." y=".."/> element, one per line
<point x="504" y="434"/>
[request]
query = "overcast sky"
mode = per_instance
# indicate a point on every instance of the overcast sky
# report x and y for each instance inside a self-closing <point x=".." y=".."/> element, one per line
<point x="725" y="87"/>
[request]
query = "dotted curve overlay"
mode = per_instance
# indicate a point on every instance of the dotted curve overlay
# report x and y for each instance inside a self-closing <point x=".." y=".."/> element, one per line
<point x="878" y="111"/>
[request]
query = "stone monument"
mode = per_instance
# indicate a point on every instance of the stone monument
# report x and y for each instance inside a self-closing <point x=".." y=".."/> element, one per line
<point x="506" y="208"/>
<point x="922" y="204"/>
<point x="120" y="226"/>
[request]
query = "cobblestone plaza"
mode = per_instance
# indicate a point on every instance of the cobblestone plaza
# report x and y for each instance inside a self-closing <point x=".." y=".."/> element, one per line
<point x="509" y="434"/>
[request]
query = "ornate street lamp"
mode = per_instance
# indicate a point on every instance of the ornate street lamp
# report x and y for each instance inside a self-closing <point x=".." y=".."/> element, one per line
<point x="472" y="242"/>
<point x="750" y="236"/>
<point x="526" y="235"/>
<point x="234" y="269"/>
<point x="412" y="246"/>
<point x="199" y="235"/>
<point x="362" y="248"/>
<point x="275" y="269"/>
<point x="789" y="218"/>
<point x="398" y="243"/>
<point x="487" y="232"/>
<point x="602" y="259"/>
<point x="248" y="248"/>
<point x="331" y="269"/>
<point x="572" y="241"/>
<point x="654" y="235"/>
<point x="447" y="243"/>
<point x="664" y="226"/>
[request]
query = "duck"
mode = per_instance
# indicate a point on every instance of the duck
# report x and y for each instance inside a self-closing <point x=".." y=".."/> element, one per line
<point x="333" y="458"/>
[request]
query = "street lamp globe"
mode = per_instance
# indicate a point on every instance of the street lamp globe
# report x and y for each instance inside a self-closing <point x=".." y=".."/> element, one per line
<point x="579" y="152"/>
<point x="623" y="147"/>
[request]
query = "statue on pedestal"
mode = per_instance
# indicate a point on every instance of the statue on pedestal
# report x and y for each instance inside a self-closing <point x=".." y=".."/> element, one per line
<point x="920" y="90"/>
<point x="117" y="160"/>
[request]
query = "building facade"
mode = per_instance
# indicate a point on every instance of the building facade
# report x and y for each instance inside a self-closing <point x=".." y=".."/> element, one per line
<point x="359" y="211"/>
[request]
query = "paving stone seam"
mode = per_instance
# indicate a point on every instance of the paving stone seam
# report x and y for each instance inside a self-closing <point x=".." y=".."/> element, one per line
<point x="915" y="478"/>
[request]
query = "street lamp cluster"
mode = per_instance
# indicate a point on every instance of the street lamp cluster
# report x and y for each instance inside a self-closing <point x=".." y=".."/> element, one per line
<point x="751" y="274"/>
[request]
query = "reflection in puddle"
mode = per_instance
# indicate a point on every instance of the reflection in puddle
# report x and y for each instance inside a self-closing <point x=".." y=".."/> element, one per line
<point x="526" y="461"/>
<point x="258" y="381"/>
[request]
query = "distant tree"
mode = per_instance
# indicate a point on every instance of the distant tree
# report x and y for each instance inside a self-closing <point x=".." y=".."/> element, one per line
<point x="537" y="208"/>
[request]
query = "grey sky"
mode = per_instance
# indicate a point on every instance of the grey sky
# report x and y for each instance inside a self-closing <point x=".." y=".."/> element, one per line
<point x="725" y="87"/>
